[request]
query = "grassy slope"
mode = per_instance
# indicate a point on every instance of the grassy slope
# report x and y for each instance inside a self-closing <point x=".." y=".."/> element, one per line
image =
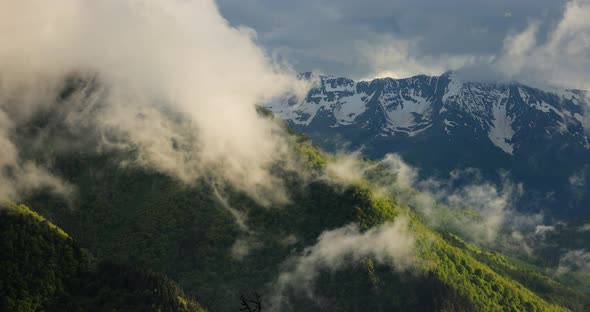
<point x="42" y="268"/>
<point x="142" y="216"/>
<point x="138" y="216"/>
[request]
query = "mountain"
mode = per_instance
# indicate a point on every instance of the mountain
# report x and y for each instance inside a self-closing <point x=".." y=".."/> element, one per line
<point x="443" y="123"/>
<point x="341" y="242"/>
<point x="142" y="217"/>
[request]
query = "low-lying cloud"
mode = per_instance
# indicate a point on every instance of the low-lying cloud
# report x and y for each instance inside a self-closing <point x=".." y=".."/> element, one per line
<point x="390" y="244"/>
<point x="19" y="176"/>
<point x="173" y="82"/>
<point x="493" y="205"/>
<point x="535" y="42"/>
<point x="574" y="260"/>
<point x="350" y="168"/>
<point x="480" y="211"/>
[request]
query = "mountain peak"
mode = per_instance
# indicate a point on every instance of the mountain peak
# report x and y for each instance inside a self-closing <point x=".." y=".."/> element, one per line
<point x="503" y="114"/>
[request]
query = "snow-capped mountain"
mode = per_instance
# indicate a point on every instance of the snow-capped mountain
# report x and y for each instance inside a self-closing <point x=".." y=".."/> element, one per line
<point x="504" y="113"/>
<point x="442" y="123"/>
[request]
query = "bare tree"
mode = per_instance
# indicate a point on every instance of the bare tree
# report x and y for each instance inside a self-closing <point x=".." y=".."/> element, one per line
<point x="248" y="305"/>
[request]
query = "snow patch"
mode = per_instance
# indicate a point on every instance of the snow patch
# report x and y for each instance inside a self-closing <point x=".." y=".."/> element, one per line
<point x="449" y="123"/>
<point x="453" y="89"/>
<point x="348" y="108"/>
<point x="546" y="108"/>
<point x="523" y="95"/>
<point x="341" y="88"/>
<point x="403" y="115"/>
<point x="501" y="131"/>
<point x="410" y="133"/>
<point x="300" y="113"/>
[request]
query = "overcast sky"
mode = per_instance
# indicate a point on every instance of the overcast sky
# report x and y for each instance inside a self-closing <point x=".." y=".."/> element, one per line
<point x="488" y="39"/>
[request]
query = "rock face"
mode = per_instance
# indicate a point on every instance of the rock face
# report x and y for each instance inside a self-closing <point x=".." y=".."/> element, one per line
<point x="442" y="123"/>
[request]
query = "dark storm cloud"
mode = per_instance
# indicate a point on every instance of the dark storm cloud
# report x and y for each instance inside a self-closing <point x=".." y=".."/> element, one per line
<point x="367" y="38"/>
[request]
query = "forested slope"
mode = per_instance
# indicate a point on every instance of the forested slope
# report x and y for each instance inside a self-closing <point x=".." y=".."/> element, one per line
<point x="44" y="269"/>
<point x="219" y="242"/>
<point x="145" y="217"/>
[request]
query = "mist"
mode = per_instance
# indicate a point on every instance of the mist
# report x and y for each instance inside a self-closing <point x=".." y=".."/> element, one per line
<point x="350" y="168"/>
<point x="574" y="260"/>
<point x="389" y="244"/>
<point x="480" y="211"/>
<point x="176" y="84"/>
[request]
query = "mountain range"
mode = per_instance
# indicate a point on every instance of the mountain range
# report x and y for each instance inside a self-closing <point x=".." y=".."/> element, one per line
<point x="443" y="123"/>
<point x="348" y="237"/>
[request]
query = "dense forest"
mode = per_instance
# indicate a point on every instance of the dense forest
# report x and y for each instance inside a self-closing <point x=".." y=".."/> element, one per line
<point x="133" y="215"/>
<point x="220" y="244"/>
<point x="44" y="269"/>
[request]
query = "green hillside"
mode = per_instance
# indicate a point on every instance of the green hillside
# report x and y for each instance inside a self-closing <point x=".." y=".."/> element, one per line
<point x="43" y="269"/>
<point x="219" y="243"/>
<point x="139" y="216"/>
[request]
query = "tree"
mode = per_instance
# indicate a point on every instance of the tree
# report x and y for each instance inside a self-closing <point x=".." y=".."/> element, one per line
<point x="248" y="305"/>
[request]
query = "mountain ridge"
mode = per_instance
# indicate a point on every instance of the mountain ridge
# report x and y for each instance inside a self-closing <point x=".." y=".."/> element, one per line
<point x="414" y="104"/>
<point x="443" y="123"/>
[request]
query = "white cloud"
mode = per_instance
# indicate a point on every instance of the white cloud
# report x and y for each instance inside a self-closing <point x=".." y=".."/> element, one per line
<point x="387" y="56"/>
<point x="563" y="59"/>
<point x="481" y="212"/>
<point x="543" y="229"/>
<point x="517" y="47"/>
<point x="405" y="174"/>
<point x="153" y="60"/>
<point x="391" y="244"/>
<point x="340" y="36"/>
<point x="19" y="177"/>
<point x="346" y="168"/>
<point x="243" y="246"/>
<point x="539" y="54"/>
<point x="493" y="206"/>
<point x="574" y="260"/>
<point x="578" y="179"/>
<point x="349" y="168"/>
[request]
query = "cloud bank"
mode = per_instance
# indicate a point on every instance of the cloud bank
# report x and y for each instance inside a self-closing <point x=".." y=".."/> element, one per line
<point x="19" y="177"/>
<point x="562" y="58"/>
<point x="465" y="204"/>
<point x="349" y="168"/>
<point x="532" y="41"/>
<point x="390" y="244"/>
<point x="175" y="83"/>
<point x="574" y="260"/>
